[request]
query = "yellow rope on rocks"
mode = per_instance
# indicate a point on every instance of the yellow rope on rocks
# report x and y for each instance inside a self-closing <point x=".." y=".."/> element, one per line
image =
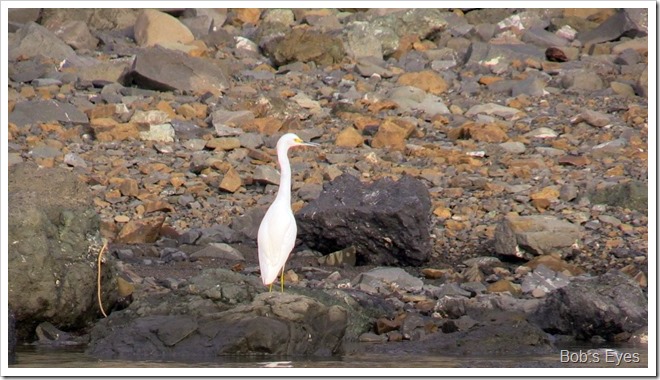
<point x="98" y="276"/>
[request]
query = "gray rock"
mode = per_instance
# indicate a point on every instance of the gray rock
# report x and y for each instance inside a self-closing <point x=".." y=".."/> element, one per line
<point x="52" y="261"/>
<point x="363" y="40"/>
<point x="266" y="174"/>
<point x="45" y="151"/>
<point x="17" y="17"/>
<point x="42" y="82"/>
<point x="273" y="323"/>
<point x="247" y="225"/>
<point x="532" y="86"/>
<point x="223" y="119"/>
<point x="220" y="251"/>
<point x="410" y="98"/>
<point x="251" y="140"/>
<point x="450" y="290"/>
<point x="199" y="26"/>
<point x="545" y="279"/>
<point x="582" y="80"/>
<point x="33" y="39"/>
<point x="523" y="236"/>
<point x="568" y="192"/>
<point x="368" y="67"/>
<point x="417" y="22"/>
<point x="618" y="25"/>
<point x="29" y="70"/>
<point x="481" y="53"/>
<point x="41" y="111"/>
<point x="77" y="35"/>
<point x="642" y="88"/>
<point x="167" y="70"/>
<point x="369" y="217"/>
<point x="595" y="118"/>
<point x="158" y="132"/>
<point x="605" y="306"/>
<point x="632" y="195"/>
<point x="515" y="147"/>
<point x="385" y="278"/>
<point x="492" y="109"/>
<point x="300" y="45"/>
<point x="543" y="38"/>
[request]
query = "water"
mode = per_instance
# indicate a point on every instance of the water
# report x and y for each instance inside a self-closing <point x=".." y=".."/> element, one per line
<point x="45" y="357"/>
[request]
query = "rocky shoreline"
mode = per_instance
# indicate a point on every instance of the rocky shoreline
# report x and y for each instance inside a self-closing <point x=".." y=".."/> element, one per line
<point x="481" y="185"/>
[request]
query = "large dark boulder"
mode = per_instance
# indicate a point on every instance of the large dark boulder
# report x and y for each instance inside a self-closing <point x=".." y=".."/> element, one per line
<point x="54" y="235"/>
<point x="605" y="306"/>
<point x="387" y="221"/>
<point x="273" y="323"/>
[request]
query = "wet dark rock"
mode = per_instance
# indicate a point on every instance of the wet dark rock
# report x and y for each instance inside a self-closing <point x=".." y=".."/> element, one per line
<point x="605" y="305"/>
<point x="52" y="263"/>
<point x="11" y="337"/>
<point x="40" y="111"/>
<point x="369" y="217"/>
<point x="497" y="333"/>
<point x="166" y="70"/>
<point x="536" y="235"/>
<point x="274" y="323"/>
<point x="49" y="335"/>
<point x="633" y="195"/>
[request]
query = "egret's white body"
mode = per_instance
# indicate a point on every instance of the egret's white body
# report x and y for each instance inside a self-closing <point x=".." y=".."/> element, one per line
<point x="277" y="232"/>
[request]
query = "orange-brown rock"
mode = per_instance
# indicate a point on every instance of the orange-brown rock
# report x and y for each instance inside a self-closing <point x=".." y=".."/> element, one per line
<point x="427" y="80"/>
<point x="231" y="182"/>
<point x="247" y="15"/>
<point x="128" y="187"/>
<point x="141" y="231"/>
<point x="389" y="135"/>
<point x="349" y="138"/>
<point x="265" y="125"/>
<point x="502" y="286"/>
<point x="554" y="263"/>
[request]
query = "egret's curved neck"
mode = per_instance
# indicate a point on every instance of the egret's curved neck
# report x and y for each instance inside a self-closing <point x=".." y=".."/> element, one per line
<point x="284" y="192"/>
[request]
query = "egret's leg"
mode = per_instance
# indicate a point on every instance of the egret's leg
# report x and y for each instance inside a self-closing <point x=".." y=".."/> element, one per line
<point x="282" y="280"/>
<point x="270" y="288"/>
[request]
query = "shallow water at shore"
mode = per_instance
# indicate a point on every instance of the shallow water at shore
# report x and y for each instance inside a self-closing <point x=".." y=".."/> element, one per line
<point x="40" y="357"/>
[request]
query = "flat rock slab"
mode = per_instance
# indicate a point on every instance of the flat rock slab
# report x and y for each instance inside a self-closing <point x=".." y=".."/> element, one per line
<point x="43" y="111"/>
<point x="274" y="323"/>
<point x="167" y="70"/>
<point x="387" y="221"/>
<point x="536" y="235"/>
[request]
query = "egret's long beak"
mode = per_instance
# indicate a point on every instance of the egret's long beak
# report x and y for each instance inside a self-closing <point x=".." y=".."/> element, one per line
<point x="310" y="144"/>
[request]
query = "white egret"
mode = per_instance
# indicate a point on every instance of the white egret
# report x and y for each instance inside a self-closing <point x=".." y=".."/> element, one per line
<point x="277" y="232"/>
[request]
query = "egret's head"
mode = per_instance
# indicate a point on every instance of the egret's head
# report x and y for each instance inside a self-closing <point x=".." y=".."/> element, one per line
<point x="290" y="140"/>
